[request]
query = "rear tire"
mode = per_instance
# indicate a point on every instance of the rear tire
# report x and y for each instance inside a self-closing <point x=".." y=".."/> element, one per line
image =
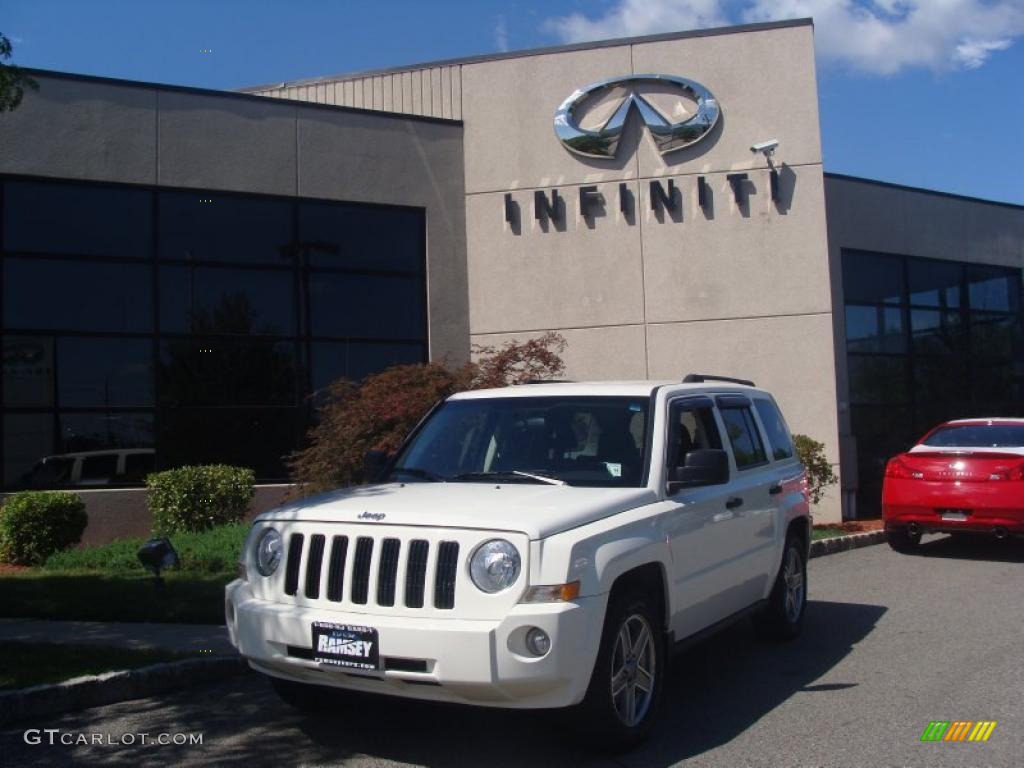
<point x="303" y="696"/>
<point x="901" y="541"/>
<point x="783" y="617"/>
<point x="624" y="694"/>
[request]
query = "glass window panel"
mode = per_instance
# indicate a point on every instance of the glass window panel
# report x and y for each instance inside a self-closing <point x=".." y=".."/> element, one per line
<point x="744" y="437"/>
<point x="218" y="371"/>
<point x="258" y="438"/>
<point x="214" y="227"/>
<point x="333" y="360"/>
<point x="941" y="380"/>
<point x="935" y="332"/>
<point x="104" y="372"/>
<point x="874" y="329"/>
<point x="872" y="277"/>
<point x="881" y="434"/>
<point x="775" y="426"/>
<point x="935" y="283"/>
<point x="994" y="388"/>
<point x="104" y="431"/>
<point x="29" y="371"/>
<point x="993" y="288"/>
<point x="28" y="439"/>
<point x="995" y="335"/>
<point x="77" y="219"/>
<point x="365" y="306"/>
<point x="230" y="301"/>
<point x="77" y="296"/>
<point x="877" y="379"/>
<point x="362" y="237"/>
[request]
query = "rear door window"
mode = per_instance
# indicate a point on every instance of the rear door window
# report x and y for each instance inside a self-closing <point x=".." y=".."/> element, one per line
<point x="744" y="437"/>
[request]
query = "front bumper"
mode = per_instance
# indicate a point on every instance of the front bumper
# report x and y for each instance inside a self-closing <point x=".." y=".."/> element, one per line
<point x="455" y="660"/>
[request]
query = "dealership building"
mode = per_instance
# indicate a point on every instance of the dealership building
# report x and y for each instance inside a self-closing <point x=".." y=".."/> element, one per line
<point x="184" y="269"/>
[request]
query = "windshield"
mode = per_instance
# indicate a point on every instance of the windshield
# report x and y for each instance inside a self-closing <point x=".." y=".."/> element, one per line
<point x="977" y="436"/>
<point x="584" y="441"/>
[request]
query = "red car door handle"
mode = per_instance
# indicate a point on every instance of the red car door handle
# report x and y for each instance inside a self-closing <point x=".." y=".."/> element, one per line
<point x="775" y="490"/>
<point x="734" y="502"/>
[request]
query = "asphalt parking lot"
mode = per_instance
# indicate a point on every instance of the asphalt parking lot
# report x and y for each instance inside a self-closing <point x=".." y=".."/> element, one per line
<point x="891" y="643"/>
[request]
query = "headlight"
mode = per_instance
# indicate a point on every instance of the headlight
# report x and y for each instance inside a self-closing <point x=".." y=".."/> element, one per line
<point x="269" y="549"/>
<point x="494" y="566"/>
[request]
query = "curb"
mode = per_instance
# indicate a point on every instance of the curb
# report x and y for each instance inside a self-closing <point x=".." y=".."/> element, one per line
<point x="112" y="687"/>
<point x="830" y="546"/>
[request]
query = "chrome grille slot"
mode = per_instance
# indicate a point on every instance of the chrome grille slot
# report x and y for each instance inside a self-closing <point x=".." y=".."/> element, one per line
<point x="387" y="572"/>
<point x="444" y="576"/>
<point x="361" y="570"/>
<point x="415" y="574"/>
<point x="314" y="563"/>
<point x="336" y="568"/>
<point x="291" y="576"/>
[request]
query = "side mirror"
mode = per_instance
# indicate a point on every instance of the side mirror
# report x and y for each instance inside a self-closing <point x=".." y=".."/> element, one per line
<point x="703" y="467"/>
<point x="374" y="464"/>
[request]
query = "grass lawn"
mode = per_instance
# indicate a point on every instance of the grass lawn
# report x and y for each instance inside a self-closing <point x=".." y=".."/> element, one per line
<point x="187" y="598"/>
<point x="26" y="664"/>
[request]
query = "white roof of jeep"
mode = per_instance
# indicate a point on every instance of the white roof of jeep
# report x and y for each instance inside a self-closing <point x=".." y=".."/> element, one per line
<point x="595" y="388"/>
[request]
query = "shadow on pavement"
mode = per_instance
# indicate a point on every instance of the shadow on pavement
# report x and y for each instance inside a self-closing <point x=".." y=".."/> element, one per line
<point x="974" y="547"/>
<point x="715" y="691"/>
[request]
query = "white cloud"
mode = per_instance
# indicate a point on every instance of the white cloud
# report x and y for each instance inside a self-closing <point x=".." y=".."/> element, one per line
<point x="877" y="36"/>
<point x="501" y="34"/>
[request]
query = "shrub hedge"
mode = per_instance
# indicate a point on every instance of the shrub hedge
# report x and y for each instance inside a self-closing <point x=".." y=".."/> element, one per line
<point x="35" y="524"/>
<point x="198" y="498"/>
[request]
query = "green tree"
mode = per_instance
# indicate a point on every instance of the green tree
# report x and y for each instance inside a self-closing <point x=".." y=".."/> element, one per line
<point x="13" y="80"/>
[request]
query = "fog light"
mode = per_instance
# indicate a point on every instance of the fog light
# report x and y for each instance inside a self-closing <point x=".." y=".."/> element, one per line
<point x="537" y="641"/>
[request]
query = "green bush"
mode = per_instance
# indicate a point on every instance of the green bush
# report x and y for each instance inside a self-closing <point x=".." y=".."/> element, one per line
<point x="35" y="524"/>
<point x="819" y="471"/>
<point x="214" y="551"/>
<point x="198" y="498"/>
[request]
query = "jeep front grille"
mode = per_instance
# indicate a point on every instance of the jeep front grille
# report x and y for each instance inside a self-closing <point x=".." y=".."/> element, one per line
<point x="350" y="582"/>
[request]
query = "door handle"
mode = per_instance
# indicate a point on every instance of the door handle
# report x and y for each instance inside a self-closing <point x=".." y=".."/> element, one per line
<point x="775" y="489"/>
<point x="734" y="502"/>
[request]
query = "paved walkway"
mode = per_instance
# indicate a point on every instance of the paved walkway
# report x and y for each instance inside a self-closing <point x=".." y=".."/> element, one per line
<point x="188" y="638"/>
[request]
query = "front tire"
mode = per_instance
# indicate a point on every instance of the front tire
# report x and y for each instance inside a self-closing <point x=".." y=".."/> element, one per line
<point x="783" y="617"/>
<point x="625" y="688"/>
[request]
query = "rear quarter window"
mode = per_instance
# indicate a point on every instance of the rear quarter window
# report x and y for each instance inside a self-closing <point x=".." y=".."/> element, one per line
<point x="778" y="433"/>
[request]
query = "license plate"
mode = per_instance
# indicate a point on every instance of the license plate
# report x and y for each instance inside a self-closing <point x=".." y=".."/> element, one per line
<point x="951" y="515"/>
<point x="345" y="645"/>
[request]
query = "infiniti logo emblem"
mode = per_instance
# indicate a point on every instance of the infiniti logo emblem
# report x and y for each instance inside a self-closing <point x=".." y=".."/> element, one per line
<point x="371" y="516"/>
<point x="604" y="141"/>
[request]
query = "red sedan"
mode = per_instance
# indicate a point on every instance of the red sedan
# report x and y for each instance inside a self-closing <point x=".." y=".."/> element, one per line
<point x="964" y="476"/>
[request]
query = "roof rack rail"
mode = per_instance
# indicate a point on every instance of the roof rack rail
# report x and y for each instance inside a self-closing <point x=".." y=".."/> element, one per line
<point x="700" y="378"/>
<point x="547" y="381"/>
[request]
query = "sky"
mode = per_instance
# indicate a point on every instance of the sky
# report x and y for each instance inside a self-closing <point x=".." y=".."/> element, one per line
<point x="927" y="93"/>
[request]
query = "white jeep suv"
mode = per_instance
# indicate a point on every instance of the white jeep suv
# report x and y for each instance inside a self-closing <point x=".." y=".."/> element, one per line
<point x="537" y="546"/>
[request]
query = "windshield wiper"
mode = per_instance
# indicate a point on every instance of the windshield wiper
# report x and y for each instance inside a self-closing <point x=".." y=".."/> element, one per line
<point x="513" y="473"/>
<point x="425" y="474"/>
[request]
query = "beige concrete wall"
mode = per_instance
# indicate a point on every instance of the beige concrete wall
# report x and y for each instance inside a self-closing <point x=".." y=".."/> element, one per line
<point x="104" y="130"/>
<point x="863" y="215"/>
<point x="741" y="291"/>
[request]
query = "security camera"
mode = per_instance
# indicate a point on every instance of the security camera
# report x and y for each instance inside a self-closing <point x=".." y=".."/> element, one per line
<point x="765" y="147"/>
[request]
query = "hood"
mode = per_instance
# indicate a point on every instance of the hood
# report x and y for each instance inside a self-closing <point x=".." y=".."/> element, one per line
<point x="536" y="510"/>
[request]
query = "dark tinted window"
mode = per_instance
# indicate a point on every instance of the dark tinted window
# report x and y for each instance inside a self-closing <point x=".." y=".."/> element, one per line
<point x="361" y="237"/>
<point x="205" y="226"/>
<point x="50" y="473"/>
<point x="692" y="427"/>
<point x="99" y="468"/>
<point x="874" y="329"/>
<point x="356" y="359"/>
<point x="366" y="306"/>
<point x="235" y="301"/>
<point x="137" y="466"/>
<point x="976" y="435"/>
<point x="775" y="426"/>
<point x="81" y="432"/>
<point x="29" y="371"/>
<point x="872" y="277"/>
<point x="104" y="372"/>
<point x="993" y="288"/>
<point x="77" y="219"/>
<point x="77" y="296"/>
<point x="935" y="283"/>
<point x="218" y="371"/>
<point x="744" y="437"/>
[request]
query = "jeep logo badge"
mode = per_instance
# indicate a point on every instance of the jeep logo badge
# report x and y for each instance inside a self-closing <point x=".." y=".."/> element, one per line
<point x="669" y="136"/>
<point x="371" y="516"/>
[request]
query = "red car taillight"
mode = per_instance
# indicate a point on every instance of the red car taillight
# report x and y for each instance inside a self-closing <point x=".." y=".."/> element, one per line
<point x="899" y="469"/>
